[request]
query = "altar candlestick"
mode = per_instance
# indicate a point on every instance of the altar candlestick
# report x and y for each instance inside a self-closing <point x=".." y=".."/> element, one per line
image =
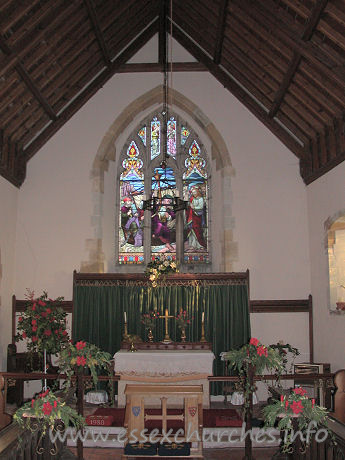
<point x="203" y="317"/>
<point x="125" y="334"/>
<point x="203" y="327"/>
<point x="125" y="315"/>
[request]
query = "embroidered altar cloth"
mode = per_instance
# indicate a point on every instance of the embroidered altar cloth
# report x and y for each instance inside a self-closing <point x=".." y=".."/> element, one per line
<point x="164" y="363"/>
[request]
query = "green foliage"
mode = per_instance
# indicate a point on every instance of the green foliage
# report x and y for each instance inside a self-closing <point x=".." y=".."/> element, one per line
<point x="296" y="406"/>
<point x="44" y="411"/>
<point x="43" y="324"/>
<point x="83" y="355"/>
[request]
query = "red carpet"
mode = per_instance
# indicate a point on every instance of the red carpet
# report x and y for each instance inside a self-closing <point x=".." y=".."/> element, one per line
<point x="212" y="417"/>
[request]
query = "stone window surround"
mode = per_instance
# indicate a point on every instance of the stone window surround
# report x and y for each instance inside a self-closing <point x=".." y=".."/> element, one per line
<point x="107" y="152"/>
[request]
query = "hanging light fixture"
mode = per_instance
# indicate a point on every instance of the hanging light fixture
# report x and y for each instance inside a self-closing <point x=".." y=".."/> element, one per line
<point x="156" y="200"/>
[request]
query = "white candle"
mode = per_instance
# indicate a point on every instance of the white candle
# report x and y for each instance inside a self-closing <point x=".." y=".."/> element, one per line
<point x="125" y="315"/>
<point x="203" y="317"/>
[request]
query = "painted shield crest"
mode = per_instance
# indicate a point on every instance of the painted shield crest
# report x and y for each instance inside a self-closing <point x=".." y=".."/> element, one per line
<point x="192" y="410"/>
<point x="136" y="410"/>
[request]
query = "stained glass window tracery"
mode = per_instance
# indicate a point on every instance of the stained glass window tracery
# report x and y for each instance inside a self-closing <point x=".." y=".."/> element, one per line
<point x="170" y="234"/>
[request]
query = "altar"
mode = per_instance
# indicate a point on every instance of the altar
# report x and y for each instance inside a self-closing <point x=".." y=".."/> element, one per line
<point x="170" y="366"/>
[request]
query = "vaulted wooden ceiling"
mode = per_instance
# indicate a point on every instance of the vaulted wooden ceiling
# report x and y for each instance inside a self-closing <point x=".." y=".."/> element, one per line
<point x="283" y="59"/>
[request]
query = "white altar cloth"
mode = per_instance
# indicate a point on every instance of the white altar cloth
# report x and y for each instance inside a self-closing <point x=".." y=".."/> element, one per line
<point x="164" y="363"/>
<point x="189" y="367"/>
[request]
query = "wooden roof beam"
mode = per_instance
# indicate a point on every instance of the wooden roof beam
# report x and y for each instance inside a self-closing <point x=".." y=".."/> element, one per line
<point x="98" y="31"/>
<point x="312" y="23"/>
<point x="241" y="95"/>
<point x="310" y="51"/>
<point x="162" y="33"/>
<point x="29" y="82"/>
<point x="157" y="67"/>
<point x="220" y="31"/>
<point x="98" y="83"/>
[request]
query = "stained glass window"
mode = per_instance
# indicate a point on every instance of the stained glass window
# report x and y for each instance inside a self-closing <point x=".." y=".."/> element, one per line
<point x="195" y="191"/>
<point x="155" y="138"/>
<point x="143" y="168"/>
<point x="184" y="134"/>
<point x="142" y="134"/>
<point x="131" y="221"/>
<point x="163" y="217"/>
<point x="171" y="137"/>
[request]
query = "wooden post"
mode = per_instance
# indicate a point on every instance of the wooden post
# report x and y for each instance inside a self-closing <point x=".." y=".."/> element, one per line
<point x="248" y="415"/>
<point x="5" y="419"/>
<point x="80" y="408"/>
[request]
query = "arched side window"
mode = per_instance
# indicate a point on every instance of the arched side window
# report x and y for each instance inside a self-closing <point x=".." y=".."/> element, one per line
<point x="336" y="263"/>
<point x="162" y="232"/>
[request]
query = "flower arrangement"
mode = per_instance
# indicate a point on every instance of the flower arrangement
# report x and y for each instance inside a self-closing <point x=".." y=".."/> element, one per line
<point x="149" y="319"/>
<point x="252" y="358"/>
<point x="157" y="268"/>
<point x="182" y="319"/>
<point x="47" y="408"/>
<point x="83" y="355"/>
<point x="295" y="406"/>
<point x="43" y="324"/>
<point x="284" y="349"/>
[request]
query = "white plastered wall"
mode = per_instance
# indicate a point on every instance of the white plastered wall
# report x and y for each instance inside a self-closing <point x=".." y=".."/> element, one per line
<point x="326" y="197"/>
<point x="8" y="217"/>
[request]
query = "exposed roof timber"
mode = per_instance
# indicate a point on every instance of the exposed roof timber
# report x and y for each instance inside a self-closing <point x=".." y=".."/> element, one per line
<point x="307" y="33"/>
<point x="220" y="30"/>
<point x="157" y="67"/>
<point x="240" y="94"/>
<point x="85" y="95"/>
<point x="28" y="81"/>
<point x="312" y="52"/>
<point x="98" y="32"/>
<point x="162" y="34"/>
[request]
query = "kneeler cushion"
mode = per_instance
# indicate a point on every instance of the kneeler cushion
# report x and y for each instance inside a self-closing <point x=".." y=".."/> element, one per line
<point x="140" y="448"/>
<point x="173" y="449"/>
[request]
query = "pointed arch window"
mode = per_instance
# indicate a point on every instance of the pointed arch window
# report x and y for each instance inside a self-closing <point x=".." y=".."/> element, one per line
<point x="162" y="233"/>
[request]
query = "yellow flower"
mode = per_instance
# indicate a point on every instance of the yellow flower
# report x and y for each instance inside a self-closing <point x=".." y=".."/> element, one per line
<point x="154" y="284"/>
<point x="152" y="277"/>
<point x="173" y="265"/>
<point x="73" y="361"/>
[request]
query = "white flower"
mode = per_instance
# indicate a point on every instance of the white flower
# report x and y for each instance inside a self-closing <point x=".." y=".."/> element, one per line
<point x="173" y="265"/>
<point x="166" y="263"/>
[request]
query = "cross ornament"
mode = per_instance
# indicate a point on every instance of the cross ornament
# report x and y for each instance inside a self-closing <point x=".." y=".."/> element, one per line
<point x="167" y="339"/>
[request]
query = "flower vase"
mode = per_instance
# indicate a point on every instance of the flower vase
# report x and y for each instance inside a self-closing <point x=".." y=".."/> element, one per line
<point x="183" y="334"/>
<point x="150" y="335"/>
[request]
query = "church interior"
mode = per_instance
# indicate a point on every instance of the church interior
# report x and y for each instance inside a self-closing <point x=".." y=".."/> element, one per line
<point x="172" y="223"/>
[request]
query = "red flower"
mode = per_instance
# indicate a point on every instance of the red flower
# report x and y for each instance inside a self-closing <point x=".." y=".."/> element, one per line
<point x="81" y="360"/>
<point x="41" y="303"/>
<point x="34" y="322"/>
<point x="254" y="341"/>
<point x="65" y="333"/>
<point x="34" y="338"/>
<point x="34" y="307"/>
<point x="299" y="391"/>
<point x="24" y="335"/>
<point x="34" y="328"/>
<point x="32" y="402"/>
<point x="296" y="407"/>
<point x="55" y="404"/>
<point x="20" y="319"/>
<point x="47" y="332"/>
<point x="56" y="331"/>
<point x="49" y="310"/>
<point x="262" y="350"/>
<point x="44" y="314"/>
<point x="80" y="345"/>
<point x="47" y="408"/>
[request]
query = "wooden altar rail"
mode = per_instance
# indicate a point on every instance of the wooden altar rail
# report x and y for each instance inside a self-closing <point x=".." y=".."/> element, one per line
<point x="288" y="306"/>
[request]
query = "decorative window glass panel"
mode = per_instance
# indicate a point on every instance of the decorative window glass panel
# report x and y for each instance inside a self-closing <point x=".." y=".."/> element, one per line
<point x="142" y="134"/>
<point x="336" y="264"/>
<point x="184" y="134"/>
<point x="155" y="138"/>
<point x="171" y="137"/>
<point x="195" y="191"/>
<point x="171" y="233"/>
<point x="131" y="220"/>
<point x="163" y="216"/>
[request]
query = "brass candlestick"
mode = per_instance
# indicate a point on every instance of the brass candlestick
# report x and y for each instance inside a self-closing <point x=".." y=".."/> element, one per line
<point x="203" y="332"/>
<point x="125" y="335"/>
